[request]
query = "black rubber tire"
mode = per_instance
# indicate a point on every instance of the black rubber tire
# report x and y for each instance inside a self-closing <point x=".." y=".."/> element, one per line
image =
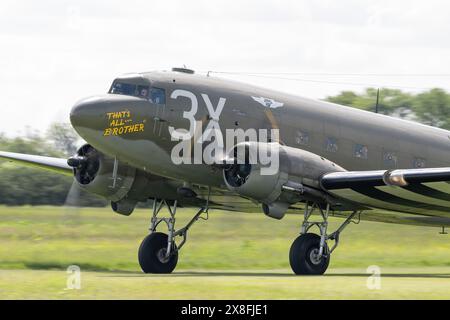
<point x="300" y="255"/>
<point x="153" y="246"/>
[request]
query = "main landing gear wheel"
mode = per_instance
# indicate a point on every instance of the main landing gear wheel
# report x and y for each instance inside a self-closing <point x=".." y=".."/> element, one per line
<point x="310" y="253"/>
<point x="158" y="252"/>
<point x="304" y="255"/>
<point x="153" y="254"/>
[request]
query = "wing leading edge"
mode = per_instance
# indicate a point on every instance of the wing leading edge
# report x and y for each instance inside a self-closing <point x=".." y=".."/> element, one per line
<point x="57" y="165"/>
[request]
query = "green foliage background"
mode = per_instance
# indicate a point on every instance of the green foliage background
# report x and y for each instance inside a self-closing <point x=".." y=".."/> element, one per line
<point x="431" y="107"/>
<point x="21" y="185"/>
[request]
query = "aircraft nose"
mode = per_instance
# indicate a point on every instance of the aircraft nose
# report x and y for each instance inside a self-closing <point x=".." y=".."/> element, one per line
<point x="76" y="113"/>
<point x="85" y="112"/>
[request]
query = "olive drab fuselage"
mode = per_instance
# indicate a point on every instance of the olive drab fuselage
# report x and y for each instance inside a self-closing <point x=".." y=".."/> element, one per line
<point x="142" y="131"/>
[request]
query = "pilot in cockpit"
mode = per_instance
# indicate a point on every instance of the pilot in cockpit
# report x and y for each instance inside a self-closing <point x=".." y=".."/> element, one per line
<point x="143" y="92"/>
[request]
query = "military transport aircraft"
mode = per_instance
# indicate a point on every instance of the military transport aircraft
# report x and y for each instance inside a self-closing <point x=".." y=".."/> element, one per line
<point x="148" y="138"/>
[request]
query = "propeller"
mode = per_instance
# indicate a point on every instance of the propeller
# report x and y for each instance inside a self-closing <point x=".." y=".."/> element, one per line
<point x="73" y="196"/>
<point x="237" y="174"/>
<point x="85" y="164"/>
<point x="72" y="204"/>
<point x="77" y="162"/>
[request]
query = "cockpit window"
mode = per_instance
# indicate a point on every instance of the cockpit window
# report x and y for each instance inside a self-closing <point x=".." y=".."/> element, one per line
<point x="129" y="89"/>
<point x="123" y="88"/>
<point x="154" y="95"/>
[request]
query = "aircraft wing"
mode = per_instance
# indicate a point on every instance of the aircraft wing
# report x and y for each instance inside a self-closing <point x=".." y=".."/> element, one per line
<point x="423" y="192"/>
<point x="420" y="191"/>
<point x="58" y="165"/>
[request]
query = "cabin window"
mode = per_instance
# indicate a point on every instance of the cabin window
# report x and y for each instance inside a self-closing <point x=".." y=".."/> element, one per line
<point x="302" y="138"/>
<point x="419" y="163"/>
<point x="331" y="144"/>
<point x="157" y="96"/>
<point x="360" y="151"/>
<point x="390" y="159"/>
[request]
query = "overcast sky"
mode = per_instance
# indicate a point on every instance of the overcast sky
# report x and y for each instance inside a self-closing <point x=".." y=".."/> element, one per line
<point x="53" y="53"/>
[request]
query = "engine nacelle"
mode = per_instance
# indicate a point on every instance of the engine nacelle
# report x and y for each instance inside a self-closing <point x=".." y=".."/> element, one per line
<point x="260" y="171"/>
<point x="94" y="172"/>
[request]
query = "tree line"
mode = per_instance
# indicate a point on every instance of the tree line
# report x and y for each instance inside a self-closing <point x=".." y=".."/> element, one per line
<point x="430" y="107"/>
<point x="29" y="186"/>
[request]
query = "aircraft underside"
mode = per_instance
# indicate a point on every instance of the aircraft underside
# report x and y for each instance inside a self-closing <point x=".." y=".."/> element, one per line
<point x="380" y="212"/>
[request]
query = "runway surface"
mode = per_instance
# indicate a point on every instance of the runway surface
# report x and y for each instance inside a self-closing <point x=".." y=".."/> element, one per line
<point x="230" y="256"/>
<point x="394" y="283"/>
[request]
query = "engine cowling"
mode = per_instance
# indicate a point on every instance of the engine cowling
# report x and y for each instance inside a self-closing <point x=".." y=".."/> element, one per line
<point x="253" y="177"/>
<point x="94" y="172"/>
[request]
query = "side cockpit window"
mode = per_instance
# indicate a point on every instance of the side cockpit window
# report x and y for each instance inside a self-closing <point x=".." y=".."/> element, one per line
<point x="157" y="96"/>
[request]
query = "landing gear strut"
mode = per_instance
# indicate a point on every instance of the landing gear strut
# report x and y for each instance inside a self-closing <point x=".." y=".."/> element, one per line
<point x="310" y="254"/>
<point x="158" y="252"/>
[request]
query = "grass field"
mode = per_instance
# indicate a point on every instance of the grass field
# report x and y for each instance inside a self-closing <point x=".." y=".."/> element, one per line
<point x="231" y="255"/>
